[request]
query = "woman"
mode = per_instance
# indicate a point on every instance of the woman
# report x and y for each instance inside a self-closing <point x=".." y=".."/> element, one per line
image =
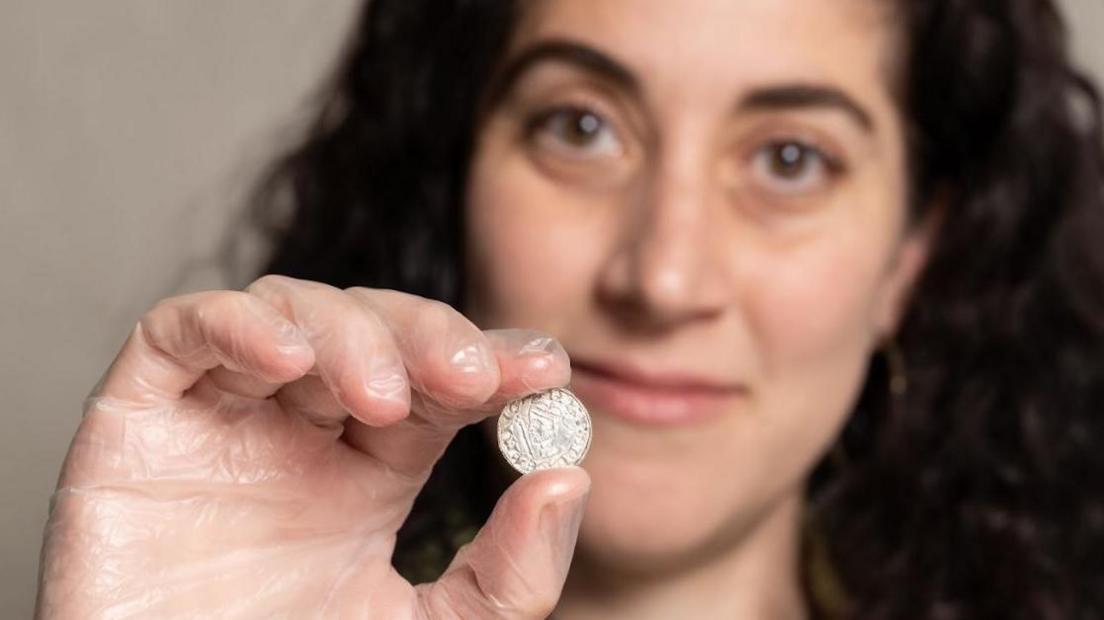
<point x="829" y="278"/>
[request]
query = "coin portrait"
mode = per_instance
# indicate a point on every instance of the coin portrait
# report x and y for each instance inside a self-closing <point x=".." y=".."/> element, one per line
<point x="545" y="430"/>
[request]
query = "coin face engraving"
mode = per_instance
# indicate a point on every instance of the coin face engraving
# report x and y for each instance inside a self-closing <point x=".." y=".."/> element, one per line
<point x="540" y="431"/>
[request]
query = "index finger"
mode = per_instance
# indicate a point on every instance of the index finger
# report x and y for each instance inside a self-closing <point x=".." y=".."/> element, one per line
<point x="494" y="367"/>
<point x="529" y="362"/>
<point x="457" y="369"/>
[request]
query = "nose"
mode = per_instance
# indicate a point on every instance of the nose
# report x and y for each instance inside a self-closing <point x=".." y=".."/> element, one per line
<point x="668" y="268"/>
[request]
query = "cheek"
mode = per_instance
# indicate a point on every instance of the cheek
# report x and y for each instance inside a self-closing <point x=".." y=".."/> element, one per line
<point x="531" y="251"/>
<point x="811" y="313"/>
<point x="813" y="306"/>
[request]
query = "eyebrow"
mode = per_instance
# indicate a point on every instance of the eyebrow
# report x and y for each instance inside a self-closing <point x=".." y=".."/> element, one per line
<point x="782" y="97"/>
<point x="797" y="96"/>
<point x="566" y="51"/>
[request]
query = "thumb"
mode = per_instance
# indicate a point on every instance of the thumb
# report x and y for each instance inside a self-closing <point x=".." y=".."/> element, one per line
<point x="516" y="565"/>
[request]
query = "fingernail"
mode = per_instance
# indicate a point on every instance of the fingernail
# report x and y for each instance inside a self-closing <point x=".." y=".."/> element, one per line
<point x="472" y="358"/>
<point x="387" y="381"/>
<point x="527" y="342"/>
<point x="387" y="387"/>
<point x="292" y="339"/>
<point x="539" y="353"/>
<point x="293" y="349"/>
<point x="541" y="345"/>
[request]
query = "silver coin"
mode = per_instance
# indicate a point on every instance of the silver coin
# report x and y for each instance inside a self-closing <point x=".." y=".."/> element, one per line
<point x="540" y="431"/>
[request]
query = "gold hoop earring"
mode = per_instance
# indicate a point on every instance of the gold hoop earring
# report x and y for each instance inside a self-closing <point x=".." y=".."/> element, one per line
<point x="898" y="370"/>
<point x="897" y="388"/>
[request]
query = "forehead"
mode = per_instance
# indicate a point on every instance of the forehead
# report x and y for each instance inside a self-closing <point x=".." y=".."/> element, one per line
<point x="729" y="46"/>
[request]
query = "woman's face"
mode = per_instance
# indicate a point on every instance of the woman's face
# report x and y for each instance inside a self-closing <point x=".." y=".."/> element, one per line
<point x="704" y="202"/>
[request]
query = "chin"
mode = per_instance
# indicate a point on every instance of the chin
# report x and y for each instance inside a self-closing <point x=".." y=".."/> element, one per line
<point x="653" y="516"/>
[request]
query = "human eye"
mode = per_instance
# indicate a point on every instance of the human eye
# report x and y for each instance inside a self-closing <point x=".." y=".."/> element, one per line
<point x="574" y="132"/>
<point x="793" y="167"/>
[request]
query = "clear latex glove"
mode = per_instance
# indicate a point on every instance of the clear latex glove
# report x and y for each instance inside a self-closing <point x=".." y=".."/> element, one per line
<point x="252" y="454"/>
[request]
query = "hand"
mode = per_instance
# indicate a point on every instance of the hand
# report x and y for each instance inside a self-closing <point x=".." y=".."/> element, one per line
<point x="253" y="454"/>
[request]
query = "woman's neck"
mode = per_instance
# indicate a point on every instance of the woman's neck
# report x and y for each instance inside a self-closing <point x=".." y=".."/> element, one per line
<point x="757" y="577"/>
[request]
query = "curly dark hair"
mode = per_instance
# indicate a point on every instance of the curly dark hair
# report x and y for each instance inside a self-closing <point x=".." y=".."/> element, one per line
<point x="980" y="494"/>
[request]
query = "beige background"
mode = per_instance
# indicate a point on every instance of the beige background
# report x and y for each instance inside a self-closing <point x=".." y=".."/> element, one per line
<point x="129" y="130"/>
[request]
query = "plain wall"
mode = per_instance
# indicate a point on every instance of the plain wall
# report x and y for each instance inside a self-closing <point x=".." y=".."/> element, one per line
<point x="129" y="133"/>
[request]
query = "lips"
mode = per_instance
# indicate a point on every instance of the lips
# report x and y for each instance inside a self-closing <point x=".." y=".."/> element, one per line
<point x="659" y="398"/>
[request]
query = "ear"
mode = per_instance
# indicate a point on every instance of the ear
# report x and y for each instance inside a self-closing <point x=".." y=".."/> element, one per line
<point x="908" y="262"/>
